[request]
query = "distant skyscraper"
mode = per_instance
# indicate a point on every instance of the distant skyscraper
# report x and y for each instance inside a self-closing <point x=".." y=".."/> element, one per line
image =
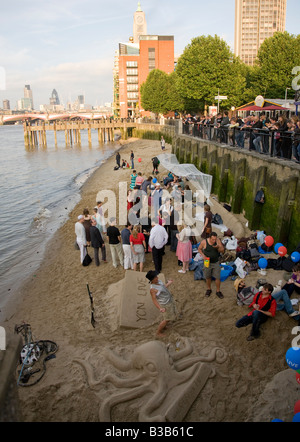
<point x="6" y="105"/>
<point x="54" y="99"/>
<point x="256" y="20"/>
<point x="28" y="100"/>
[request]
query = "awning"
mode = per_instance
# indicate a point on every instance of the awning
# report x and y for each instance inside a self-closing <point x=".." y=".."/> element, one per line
<point x="268" y="106"/>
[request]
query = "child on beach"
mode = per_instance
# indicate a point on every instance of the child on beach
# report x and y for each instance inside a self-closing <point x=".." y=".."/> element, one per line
<point x="162" y="299"/>
<point x="133" y="178"/>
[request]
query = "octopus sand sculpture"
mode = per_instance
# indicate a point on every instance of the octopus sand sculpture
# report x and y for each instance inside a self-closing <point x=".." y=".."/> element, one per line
<point x="166" y="382"/>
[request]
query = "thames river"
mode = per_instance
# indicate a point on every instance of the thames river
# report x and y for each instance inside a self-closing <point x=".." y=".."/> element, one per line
<point x="38" y="189"/>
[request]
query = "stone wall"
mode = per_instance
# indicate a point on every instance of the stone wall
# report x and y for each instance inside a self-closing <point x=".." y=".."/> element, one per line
<point x="9" y="399"/>
<point x="239" y="174"/>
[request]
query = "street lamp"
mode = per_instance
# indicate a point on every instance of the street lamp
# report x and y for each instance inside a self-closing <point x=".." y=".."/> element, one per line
<point x="285" y="98"/>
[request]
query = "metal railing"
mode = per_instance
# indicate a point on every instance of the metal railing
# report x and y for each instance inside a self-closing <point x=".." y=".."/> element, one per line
<point x="264" y="141"/>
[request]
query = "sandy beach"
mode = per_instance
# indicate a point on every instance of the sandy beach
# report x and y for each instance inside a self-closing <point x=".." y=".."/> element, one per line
<point x="252" y="384"/>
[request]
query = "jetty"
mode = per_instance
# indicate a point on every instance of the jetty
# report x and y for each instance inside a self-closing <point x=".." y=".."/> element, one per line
<point x="35" y="134"/>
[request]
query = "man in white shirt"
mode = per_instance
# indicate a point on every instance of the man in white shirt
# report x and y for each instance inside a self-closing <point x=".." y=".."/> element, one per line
<point x="81" y="237"/>
<point x="157" y="240"/>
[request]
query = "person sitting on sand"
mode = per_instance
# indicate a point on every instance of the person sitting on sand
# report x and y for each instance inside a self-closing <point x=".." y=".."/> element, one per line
<point x="162" y="299"/>
<point x="263" y="307"/>
<point x="294" y="281"/>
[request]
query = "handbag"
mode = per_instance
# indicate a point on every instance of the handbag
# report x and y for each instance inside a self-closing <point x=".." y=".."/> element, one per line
<point x="87" y="260"/>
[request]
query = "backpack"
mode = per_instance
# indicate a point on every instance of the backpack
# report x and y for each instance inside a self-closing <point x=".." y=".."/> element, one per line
<point x="216" y="219"/>
<point x="246" y="296"/>
<point x="260" y="197"/>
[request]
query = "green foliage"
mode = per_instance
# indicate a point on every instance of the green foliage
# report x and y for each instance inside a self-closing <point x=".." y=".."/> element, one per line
<point x="154" y="92"/>
<point x="276" y="58"/>
<point x="208" y="65"/>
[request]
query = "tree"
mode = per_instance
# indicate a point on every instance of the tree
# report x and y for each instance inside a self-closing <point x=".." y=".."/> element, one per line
<point x="154" y="92"/>
<point x="208" y="65"/>
<point x="276" y="58"/>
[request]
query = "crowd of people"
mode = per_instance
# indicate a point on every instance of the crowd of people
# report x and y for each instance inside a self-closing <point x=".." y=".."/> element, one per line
<point x="278" y="136"/>
<point x="144" y="234"/>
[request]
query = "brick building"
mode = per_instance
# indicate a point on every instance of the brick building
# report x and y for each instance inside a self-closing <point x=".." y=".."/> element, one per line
<point x="134" y="61"/>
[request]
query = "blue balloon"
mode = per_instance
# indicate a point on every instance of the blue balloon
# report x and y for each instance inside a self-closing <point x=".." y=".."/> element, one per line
<point x="296" y="417"/>
<point x="292" y="357"/>
<point x="154" y="180"/>
<point x="276" y="247"/>
<point x="262" y="262"/>
<point x="295" y="256"/>
<point x="277" y="420"/>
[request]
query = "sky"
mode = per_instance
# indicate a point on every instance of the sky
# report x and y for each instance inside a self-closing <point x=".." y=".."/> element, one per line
<point x="69" y="45"/>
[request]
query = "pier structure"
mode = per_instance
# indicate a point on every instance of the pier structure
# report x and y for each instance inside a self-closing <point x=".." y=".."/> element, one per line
<point x="35" y="133"/>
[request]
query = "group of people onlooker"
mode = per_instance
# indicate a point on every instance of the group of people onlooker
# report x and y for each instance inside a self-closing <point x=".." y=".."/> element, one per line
<point x="278" y="136"/>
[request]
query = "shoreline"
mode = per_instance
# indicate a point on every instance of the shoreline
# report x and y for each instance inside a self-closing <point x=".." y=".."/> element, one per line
<point x="56" y="305"/>
<point x="8" y="309"/>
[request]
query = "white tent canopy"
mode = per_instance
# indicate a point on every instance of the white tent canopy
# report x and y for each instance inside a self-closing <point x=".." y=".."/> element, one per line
<point x="201" y="181"/>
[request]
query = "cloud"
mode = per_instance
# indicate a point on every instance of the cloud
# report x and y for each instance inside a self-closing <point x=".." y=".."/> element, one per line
<point x="93" y="78"/>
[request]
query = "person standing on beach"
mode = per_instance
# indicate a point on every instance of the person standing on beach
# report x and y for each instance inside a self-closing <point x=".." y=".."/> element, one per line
<point x="162" y="299"/>
<point x="132" y="159"/>
<point x="118" y="159"/>
<point x="125" y="236"/>
<point x="102" y="220"/>
<point x="162" y="143"/>
<point x="157" y="240"/>
<point x="263" y="307"/>
<point x="114" y="237"/>
<point x="184" y="247"/>
<point x="96" y="241"/>
<point x="138" y="247"/>
<point x="133" y="178"/>
<point x="80" y="237"/>
<point x="210" y="249"/>
<point x="207" y="222"/>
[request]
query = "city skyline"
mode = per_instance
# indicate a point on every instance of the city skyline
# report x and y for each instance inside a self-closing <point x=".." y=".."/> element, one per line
<point x="71" y="46"/>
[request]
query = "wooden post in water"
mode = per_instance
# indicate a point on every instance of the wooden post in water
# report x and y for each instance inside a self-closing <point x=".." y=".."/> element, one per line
<point x="55" y="134"/>
<point x="26" y="138"/>
<point x="44" y="136"/>
<point x="66" y="135"/>
<point x="89" y="134"/>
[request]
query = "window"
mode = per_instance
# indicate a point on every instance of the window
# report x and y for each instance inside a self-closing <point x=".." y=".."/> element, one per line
<point x="132" y="80"/>
<point x="131" y="64"/>
<point x="151" y="58"/>
<point x="132" y="71"/>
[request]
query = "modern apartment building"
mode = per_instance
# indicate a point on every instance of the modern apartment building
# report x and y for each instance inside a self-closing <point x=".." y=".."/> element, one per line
<point x="256" y="20"/>
<point x="134" y="61"/>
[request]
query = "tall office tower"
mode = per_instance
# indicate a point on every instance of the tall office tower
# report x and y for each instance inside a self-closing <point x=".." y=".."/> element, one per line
<point x="6" y="105"/>
<point x="54" y="99"/>
<point x="134" y="61"/>
<point x="28" y="100"/>
<point x="256" y="20"/>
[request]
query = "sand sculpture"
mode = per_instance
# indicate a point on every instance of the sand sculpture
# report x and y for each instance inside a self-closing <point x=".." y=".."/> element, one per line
<point x="163" y="383"/>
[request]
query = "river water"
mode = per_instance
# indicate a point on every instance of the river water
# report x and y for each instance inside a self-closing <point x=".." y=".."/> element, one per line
<point x="38" y="189"/>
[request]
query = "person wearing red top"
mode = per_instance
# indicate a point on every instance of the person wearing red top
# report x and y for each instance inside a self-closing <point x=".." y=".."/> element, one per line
<point x="264" y="307"/>
<point x="138" y="247"/>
